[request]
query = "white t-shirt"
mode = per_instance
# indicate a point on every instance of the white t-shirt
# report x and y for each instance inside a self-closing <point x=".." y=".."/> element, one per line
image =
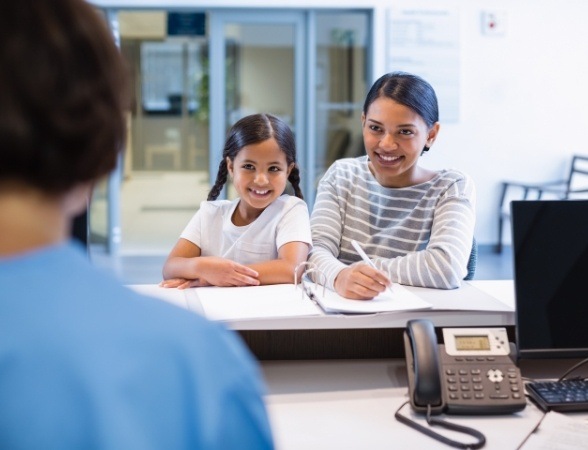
<point x="285" y="220"/>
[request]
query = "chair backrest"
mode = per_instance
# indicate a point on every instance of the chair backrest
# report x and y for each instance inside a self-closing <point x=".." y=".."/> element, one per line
<point x="80" y="228"/>
<point x="472" y="261"/>
<point x="577" y="183"/>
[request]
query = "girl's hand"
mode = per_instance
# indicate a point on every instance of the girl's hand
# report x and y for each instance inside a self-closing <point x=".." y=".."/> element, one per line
<point x="224" y="272"/>
<point x="361" y="282"/>
<point x="182" y="283"/>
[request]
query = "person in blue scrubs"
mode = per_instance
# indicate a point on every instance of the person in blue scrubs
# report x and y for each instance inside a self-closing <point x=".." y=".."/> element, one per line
<point x="86" y="363"/>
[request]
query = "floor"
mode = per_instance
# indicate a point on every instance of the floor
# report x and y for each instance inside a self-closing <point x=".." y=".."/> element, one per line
<point x="146" y="269"/>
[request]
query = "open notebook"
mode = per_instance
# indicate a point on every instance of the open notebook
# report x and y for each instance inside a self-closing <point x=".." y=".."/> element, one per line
<point x="300" y="299"/>
<point x="400" y="299"/>
<point x="283" y="300"/>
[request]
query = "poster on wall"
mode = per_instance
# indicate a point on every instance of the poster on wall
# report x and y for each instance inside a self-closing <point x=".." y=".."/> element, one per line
<point x="168" y="73"/>
<point x="425" y="41"/>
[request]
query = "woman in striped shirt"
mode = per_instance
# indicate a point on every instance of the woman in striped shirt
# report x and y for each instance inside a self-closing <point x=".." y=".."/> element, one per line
<point x="416" y="224"/>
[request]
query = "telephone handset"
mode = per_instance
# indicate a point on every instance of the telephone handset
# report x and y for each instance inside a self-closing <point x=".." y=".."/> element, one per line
<point x="471" y="373"/>
<point x="424" y="381"/>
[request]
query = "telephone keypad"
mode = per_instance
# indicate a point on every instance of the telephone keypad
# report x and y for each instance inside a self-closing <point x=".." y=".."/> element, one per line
<point x="489" y="380"/>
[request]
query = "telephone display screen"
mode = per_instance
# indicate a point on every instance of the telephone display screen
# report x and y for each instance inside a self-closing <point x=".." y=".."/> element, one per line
<point x="472" y="342"/>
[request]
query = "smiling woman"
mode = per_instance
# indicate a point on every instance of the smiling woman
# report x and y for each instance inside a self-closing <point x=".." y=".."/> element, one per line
<point x="395" y="136"/>
<point x="415" y="224"/>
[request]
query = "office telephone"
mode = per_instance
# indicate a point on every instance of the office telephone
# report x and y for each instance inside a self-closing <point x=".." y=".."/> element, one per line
<point x="471" y="373"/>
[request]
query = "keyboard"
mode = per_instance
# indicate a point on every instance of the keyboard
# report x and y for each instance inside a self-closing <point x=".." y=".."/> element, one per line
<point x="565" y="395"/>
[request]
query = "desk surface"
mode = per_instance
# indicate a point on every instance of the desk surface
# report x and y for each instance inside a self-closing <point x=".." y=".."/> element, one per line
<point x="470" y="305"/>
<point x="336" y="336"/>
<point x="480" y="303"/>
<point x="351" y="405"/>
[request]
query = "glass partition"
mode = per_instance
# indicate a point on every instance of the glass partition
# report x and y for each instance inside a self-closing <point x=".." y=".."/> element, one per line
<point x="194" y="73"/>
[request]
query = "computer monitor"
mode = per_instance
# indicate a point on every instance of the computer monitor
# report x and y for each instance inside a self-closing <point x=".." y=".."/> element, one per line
<point x="550" y="264"/>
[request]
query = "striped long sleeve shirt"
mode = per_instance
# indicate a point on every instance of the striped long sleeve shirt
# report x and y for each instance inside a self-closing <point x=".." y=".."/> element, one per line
<point x="419" y="235"/>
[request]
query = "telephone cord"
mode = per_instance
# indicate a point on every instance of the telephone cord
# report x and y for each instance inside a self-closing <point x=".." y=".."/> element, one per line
<point x="481" y="439"/>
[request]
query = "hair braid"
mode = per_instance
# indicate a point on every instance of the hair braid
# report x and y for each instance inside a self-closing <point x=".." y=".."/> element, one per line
<point x="221" y="179"/>
<point x="294" y="180"/>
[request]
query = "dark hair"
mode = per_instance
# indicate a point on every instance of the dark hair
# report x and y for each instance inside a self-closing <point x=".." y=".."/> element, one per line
<point x="63" y="94"/>
<point x="408" y="90"/>
<point x="253" y="129"/>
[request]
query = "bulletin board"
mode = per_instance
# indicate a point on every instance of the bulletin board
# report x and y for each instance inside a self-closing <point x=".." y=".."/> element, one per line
<point x="425" y="41"/>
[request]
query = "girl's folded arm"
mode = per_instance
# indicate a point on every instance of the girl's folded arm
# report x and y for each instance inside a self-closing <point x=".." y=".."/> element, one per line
<point x="281" y="270"/>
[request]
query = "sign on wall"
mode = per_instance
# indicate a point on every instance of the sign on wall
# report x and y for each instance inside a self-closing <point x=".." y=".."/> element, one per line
<point x="425" y="41"/>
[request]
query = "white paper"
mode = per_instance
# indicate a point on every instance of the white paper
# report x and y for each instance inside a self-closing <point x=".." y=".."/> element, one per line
<point x="560" y="432"/>
<point x="254" y="302"/>
<point x="502" y="290"/>
<point x="170" y="295"/>
<point x="425" y="40"/>
<point x="401" y="299"/>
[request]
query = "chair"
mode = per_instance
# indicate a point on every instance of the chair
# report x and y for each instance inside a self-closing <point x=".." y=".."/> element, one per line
<point x="172" y="147"/>
<point x="565" y="189"/>
<point x="80" y="228"/>
<point x="472" y="261"/>
<point x="338" y="143"/>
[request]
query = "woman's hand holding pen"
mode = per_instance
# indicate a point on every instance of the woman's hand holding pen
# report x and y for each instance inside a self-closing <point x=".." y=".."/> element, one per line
<point x="361" y="282"/>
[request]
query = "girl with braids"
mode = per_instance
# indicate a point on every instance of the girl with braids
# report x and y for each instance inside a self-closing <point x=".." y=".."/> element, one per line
<point x="258" y="238"/>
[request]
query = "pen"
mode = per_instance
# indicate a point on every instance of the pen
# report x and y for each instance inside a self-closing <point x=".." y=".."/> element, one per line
<point x="366" y="258"/>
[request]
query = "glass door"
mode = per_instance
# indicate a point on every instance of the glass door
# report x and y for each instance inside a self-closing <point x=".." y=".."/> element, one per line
<point x="163" y="177"/>
<point x="196" y="72"/>
<point x="256" y="65"/>
<point x="341" y="80"/>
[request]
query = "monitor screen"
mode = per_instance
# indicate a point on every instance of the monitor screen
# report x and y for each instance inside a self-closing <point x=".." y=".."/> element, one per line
<point x="550" y="263"/>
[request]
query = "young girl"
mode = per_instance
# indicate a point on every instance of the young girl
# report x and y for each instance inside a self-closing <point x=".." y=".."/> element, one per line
<point x="258" y="238"/>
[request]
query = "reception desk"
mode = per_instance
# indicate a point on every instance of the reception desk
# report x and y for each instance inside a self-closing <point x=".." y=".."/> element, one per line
<point x="335" y="381"/>
<point x="362" y="336"/>
<point x="350" y="404"/>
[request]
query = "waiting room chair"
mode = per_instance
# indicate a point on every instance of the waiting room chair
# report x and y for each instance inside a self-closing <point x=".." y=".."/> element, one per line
<point x="565" y="189"/>
<point x="80" y="229"/>
<point x="472" y="261"/>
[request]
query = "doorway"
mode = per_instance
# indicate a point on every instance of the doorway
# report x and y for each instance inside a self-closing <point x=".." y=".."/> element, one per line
<point x="256" y="66"/>
<point x="192" y="82"/>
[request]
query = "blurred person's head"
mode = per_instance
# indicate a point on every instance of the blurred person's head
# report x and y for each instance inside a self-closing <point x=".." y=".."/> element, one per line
<point x="63" y="97"/>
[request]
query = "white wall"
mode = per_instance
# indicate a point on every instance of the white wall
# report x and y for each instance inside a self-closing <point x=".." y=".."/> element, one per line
<point x="523" y="99"/>
<point x="523" y="96"/>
